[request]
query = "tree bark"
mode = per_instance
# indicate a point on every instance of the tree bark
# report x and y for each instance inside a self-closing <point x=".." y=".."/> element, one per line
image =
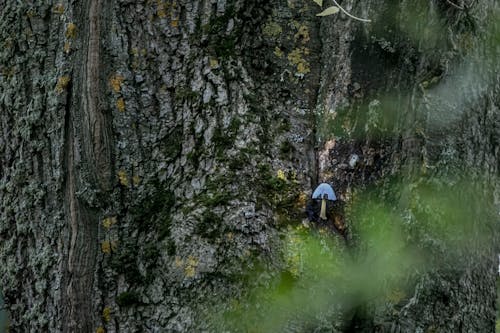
<point x="152" y="151"/>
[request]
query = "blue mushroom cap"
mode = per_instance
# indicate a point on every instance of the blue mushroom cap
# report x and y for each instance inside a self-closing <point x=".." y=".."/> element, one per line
<point x="323" y="189"/>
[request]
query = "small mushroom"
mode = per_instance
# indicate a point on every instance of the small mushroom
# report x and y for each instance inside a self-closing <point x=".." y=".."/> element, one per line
<point x="324" y="192"/>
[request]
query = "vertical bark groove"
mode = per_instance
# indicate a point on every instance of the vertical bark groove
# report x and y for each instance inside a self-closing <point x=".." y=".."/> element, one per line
<point x="96" y="136"/>
<point x="88" y="168"/>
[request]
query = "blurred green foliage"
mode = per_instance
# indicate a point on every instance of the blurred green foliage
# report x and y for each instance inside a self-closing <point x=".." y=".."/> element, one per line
<point x="498" y="306"/>
<point x="400" y="232"/>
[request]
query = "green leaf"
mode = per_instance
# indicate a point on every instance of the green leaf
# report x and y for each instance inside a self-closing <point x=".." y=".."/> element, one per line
<point x="329" y="11"/>
<point x="319" y="2"/>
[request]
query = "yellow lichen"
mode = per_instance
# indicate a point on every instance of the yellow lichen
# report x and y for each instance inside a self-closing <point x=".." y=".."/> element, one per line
<point x="214" y="63"/>
<point x="296" y="57"/>
<point x="106" y="314"/>
<point x="301" y="200"/>
<point x="303" y="34"/>
<point x="67" y="47"/>
<point x="9" y="72"/>
<point x="116" y="82"/>
<point x="230" y="236"/>
<point x="178" y="261"/>
<point x="108" y="222"/>
<point x="295" y="24"/>
<point x="136" y="180"/>
<point x="303" y="68"/>
<point x="192" y="261"/>
<point x="190" y="269"/>
<point x="106" y="247"/>
<point x="58" y="9"/>
<point x="120" y="104"/>
<point x="272" y="29"/>
<point x="278" y="52"/>
<point x="123" y="178"/>
<point x="71" y="30"/>
<point x="100" y="329"/>
<point x="281" y="175"/>
<point x="174" y="23"/>
<point x="161" y="9"/>
<point x="31" y="13"/>
<point x="62" y="83"/>
<point x="300" y="228"/>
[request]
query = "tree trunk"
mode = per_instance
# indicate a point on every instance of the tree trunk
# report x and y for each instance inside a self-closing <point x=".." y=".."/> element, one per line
<point x="152" y="151"/>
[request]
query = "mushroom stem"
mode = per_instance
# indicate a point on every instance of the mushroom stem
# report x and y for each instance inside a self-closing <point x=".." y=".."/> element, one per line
<point x="322" y="214"/>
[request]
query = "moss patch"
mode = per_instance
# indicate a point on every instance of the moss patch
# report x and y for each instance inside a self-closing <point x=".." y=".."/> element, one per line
<point x="286" y="148"/>
<point x="127" y="299"/>
<point x="185" y="94"/>
<point x="124" y="261"/>
<point x="214" y="199"/>
<point x="172" y="144"/>
<point x="219" y="42"/>
<point x="223" y="138"/>
<point x="281" y="191"/>
<point x="210" y="225"/>
<point x="154" y="211"/>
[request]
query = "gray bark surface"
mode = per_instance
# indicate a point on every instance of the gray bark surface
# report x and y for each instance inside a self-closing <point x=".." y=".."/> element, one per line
<point x="142" y="146"/>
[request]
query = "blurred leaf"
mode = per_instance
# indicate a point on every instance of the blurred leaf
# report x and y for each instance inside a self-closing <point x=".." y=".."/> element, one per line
<point x="319" y="2"/>
<point x="322" y="279"/>
<point x="329" y="11"/>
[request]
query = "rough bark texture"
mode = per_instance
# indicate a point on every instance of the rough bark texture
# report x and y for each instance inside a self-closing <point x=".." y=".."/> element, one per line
<point x="150" y="151"/>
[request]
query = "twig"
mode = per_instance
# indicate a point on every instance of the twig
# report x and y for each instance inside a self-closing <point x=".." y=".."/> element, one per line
<point x="455" y="5"/>
<point x="351" y="16"/>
